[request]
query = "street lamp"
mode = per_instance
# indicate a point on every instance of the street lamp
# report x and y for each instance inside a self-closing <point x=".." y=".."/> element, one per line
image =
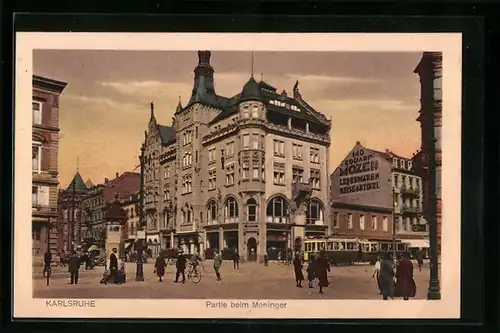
<point x="49" y="228"/>
<point x="139" y="276"/>
<point x="434" y="292"/>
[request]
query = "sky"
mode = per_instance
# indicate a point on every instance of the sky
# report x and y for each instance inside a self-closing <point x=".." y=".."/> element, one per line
<point x="104" y="110"/>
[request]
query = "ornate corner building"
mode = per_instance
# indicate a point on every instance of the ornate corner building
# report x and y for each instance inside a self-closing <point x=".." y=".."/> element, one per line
<point x="45" y="148"/>
<point x="246" y="173"/>
<point x="430" y="72"/>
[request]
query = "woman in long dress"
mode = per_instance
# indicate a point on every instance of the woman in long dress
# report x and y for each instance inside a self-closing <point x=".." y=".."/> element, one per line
<point x="322" y="267"/>
<point x="297" y="267"/>
<point x="387" y="277"/>
<point x="160" y="266"/>
<point x="405" y="285"/>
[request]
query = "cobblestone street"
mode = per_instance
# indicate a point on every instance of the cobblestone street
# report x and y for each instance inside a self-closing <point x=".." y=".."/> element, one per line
<point x="252" y="281"/>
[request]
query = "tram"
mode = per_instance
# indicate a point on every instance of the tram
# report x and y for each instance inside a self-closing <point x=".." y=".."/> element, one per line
<point x="350" y="250"/>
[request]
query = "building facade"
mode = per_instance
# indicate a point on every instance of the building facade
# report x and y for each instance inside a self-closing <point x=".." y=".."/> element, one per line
<point x="375" y="195"/>
<point x="430" y="72"/>
<point x="98" y="199"/>
<point x="246" y="173"/>
<point x="45" y="148"/>
<point x="131" y="207"/>
<point x="70" y="213"/>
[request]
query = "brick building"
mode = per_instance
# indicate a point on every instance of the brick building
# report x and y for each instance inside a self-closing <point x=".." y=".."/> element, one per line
<point x="222" y="176"/>
<point x="45" y="148"/>
<point x="371" y="190"/>
<point x="96" y="202"/>
<point x="430" y="72"/>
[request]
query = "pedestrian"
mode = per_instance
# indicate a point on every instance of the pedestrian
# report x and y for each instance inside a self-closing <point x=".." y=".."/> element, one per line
<point x="181" y="267"/>
<point x="86" y="260"/>
<point x="386" y="276"/>
<point x="236" y="260"/>
<point x="297" y="267"/>
<point x="113" y="266"/>
<point x="405" y="285"/>
<point x="322" y="267"/>
<point x="266" y="259"/>
<point x="420" y="260"/>
<point x="376" y="273"/>
<point x="310" y="271"/>
<point x="47" y="260"/>
<point x="217" y="264"/>
<point x="73" y="267"/>
<point x="160" y="266"/>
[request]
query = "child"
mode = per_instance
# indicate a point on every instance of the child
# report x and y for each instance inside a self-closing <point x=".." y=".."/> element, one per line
<point x="310" y="271"/>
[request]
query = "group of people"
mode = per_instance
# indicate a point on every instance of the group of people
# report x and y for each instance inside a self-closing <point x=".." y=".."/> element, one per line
<point x="181" y="264"/>
<point x="74" y="262"/>
<point x="116" y="273"/>
<point x="317" y="268"/>
<point x="395" y="280"/>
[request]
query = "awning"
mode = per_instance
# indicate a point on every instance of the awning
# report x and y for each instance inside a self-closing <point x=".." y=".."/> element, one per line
<point x="93" y="248"/>
<point x="422" y="243"/>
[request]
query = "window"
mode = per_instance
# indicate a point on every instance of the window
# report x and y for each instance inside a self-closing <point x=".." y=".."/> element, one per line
<point x="231" y="209"/>
<point x="37" y="112"/>
<point x="396" y="180"/>
<point x="196" y="156"/>
<point x="385" y="223"/>
<point x="314" y="155"/>
<point x="438" y="183"/>
<point x="297" y="151"/>
<point x="279" y="148"/>
<point x="187" y="184"/>
<point x="315" y="179"/>
<point x="166" y="195"/>
<point x="409" y="165"/>
<point x="255" y="112"/>
<point x="245" y="171"/>
<point x="277" y="211"/>
<point x="335" y="220"/>
<point x="187" y="137"/>
<point x="187" y="160"/>
<point x="35" y="233"/>
<point x="252" y="210"/>
<point x="438" y="89"/>
<point x="36" y="157"/>
<point x="211" y="155"/>
<point x="34" y="195"/>
<point x="255" y="141"/>
<point x="437" y="137"/>
<point x="298" y="175"/>
<point x="230" y="148"/>
<point x="230" y="175"/>
<point x="279" y="173"/>
<point x="212" y="212"/>
<point x="212" y="179"/>
<point x="349" y="221"/>
<point x="255" y="172"/>
<point x="196" y="132"/>
<point x="374" y="222"/>
<point x="314" y="213"/>
<point x="246" y="141"/>
<point x="361" y="222"/>
<point x="246" y="114"/>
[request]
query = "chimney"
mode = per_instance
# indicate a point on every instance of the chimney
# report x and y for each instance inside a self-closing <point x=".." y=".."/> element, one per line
<point x="204" y="58"/>
<point x="117" y="175"/>
<point x="106" y="180"/>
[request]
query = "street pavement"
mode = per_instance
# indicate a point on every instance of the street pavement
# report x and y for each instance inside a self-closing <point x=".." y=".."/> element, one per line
<point x="251" y="281"/>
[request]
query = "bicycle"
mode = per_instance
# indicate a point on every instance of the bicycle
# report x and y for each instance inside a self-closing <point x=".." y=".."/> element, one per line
<point x="206" y="269"/>
<point x="193" y="274"/>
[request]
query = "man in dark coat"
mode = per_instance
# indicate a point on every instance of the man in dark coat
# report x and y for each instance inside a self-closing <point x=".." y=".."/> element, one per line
<point x="47" y="260"/>
<point x="405" y="285"/>
<point x="181" y="267"/>
<point x="386" y="276"/>
<point x="73" y="267"/>
<point x="236" y="260"/>
<point x="297" y="267"/>
<point x="322" y="267"/>
<point x="160" y="266"/>
<point x="113" y="265"/>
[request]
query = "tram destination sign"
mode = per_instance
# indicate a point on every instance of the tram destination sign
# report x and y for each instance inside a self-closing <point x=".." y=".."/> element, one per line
<point x="359" y="173"/>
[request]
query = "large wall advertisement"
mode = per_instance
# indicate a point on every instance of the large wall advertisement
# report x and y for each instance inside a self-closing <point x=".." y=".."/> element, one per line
<point x="359" y="173"/>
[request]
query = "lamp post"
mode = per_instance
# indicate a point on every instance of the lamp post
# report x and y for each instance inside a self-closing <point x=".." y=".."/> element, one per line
<point x="49" y="228"/>
<point x="139" y="276"/>
<point x="434" y="292"/>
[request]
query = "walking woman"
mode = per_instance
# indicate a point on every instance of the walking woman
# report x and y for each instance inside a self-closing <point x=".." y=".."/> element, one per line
<point x="386" y="276"/>
<point x="376" y="273"/>
<point x="297" y="267"/>
<point x="160" y="266"/>
<point x="322" y="267"/>
<point x="217" y="264"/>
<point x="310" y="271"/>
<point x="405" y="285"/>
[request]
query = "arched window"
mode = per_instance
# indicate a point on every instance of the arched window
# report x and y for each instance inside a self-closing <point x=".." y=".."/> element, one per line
<point x="314" y="213"/>
<point x="277" y="210"/>
<point x="251" y="210"/>
<point x="212" y="212"/>
<point x="231" y="210"/>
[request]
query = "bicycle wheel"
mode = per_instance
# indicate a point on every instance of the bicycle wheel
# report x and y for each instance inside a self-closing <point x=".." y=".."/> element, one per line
<point x="206" y="267"/>
<point x="195" y="275"/>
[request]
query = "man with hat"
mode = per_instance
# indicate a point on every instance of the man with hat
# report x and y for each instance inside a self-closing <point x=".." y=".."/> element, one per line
<point x="181" y="267"/>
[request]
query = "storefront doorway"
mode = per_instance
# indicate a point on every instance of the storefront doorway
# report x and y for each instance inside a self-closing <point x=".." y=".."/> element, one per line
<point x="252" y="249"/>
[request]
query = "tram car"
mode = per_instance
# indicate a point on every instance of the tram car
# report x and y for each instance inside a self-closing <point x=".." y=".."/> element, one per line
<point x="350" y="250"/>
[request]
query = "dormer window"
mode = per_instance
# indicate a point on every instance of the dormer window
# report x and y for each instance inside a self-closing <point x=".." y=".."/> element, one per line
<point x="255" y="112"/>
<point x="394" y="162"/>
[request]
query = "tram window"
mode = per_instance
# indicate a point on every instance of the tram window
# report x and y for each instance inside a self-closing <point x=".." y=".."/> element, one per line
<point x="374" y="247"/>
<point x="350" y="246"/>
<point x="313" y="247"/>
<point x="307" y="247"/>
<point x="341" y="245"/>
<point x="335" y="246"/>
<point x="322" y="245"/>
<point x="329" y="246"/>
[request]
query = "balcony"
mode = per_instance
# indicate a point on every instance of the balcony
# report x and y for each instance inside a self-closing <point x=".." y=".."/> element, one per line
<point x="414" y="210"/>
<point x="186" y="228"/>
<point x="410" y="190"/>
<point x="314" y="222"/>
<point x="287" y="131"/>
<point x="42" y="210"/>
<point x="232" y="220"/>
<point x="277" y="219"/>
<point x="219" y="133"/>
